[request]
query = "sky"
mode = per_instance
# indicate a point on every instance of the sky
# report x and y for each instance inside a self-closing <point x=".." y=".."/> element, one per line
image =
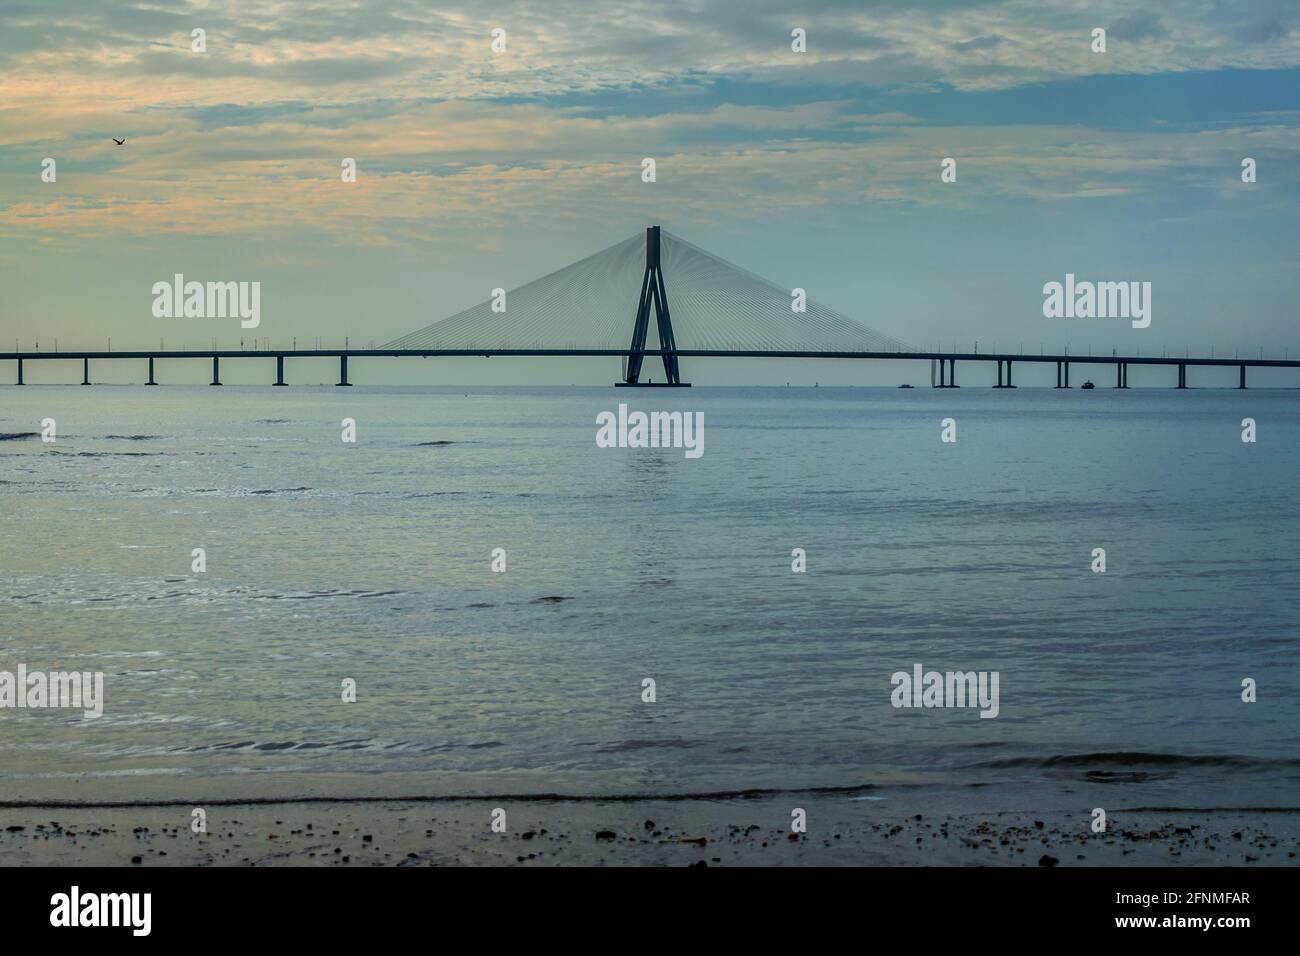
<point x="479" y="169"/>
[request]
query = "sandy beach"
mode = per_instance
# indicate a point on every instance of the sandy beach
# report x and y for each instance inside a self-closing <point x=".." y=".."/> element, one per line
<point x="669" y="833"/>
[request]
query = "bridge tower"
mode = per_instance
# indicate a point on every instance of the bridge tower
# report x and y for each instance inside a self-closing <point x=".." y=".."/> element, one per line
<point x="653" y="294"/>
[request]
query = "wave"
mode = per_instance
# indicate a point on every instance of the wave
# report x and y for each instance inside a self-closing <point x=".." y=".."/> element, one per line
<point x="251" y="745"/>
<point x="313" y="595"/>
<point x="14" y="436"/>
<point x="1139" y="759"/>
<point x="112" y="454"/>
<point x="671" y="743"/>
<point x="675" y="797"/>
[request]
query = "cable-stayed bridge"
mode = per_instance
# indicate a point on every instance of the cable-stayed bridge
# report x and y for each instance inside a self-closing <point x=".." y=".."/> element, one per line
<point x="655" y="296"/>
<point x="701" y="304"/>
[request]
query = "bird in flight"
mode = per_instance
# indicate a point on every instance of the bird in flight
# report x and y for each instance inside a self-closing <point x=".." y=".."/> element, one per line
<point x="120" y="142"/>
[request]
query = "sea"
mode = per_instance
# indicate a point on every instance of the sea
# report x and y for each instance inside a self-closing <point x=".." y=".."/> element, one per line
<point x="648" y="635"/>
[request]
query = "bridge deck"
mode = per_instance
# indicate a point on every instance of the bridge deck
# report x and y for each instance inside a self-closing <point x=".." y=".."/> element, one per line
<point x="685" y="353"/>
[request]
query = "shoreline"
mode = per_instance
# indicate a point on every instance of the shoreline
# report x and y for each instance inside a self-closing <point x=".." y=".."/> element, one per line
<point x="681" y="832"/>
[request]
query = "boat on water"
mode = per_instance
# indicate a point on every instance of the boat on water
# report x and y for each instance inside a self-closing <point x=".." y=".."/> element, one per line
<point x="905" y="386"/>
<point x="1088" y="384"/>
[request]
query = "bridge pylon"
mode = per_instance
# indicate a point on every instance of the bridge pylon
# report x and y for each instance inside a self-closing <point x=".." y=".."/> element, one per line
<point x="653" y="295"/>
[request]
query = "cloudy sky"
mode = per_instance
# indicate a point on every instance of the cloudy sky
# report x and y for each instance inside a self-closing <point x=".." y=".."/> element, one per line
<point x="820" y="170"/>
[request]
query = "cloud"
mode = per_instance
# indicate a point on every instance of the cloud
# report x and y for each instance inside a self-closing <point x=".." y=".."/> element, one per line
<point x="406" y="48"/>
<point x="978" y="43"/>
<point x="446" y="171"/>
<point x="1144" y="25"/>
<point x="452" y="140"/>
<point x="1264" y="30"/>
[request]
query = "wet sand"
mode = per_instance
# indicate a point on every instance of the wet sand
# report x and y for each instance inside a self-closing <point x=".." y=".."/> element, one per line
<point x="745" y="832"/>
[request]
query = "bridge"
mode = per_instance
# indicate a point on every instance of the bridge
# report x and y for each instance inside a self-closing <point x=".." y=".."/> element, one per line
<point x="703" y="307"/>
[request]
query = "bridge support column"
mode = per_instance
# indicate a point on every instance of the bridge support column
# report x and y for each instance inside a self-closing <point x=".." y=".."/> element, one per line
<point x="151" y="381"/>
<point x="343" y="371"/>
<point x="1182" y="375"/>
<point x="20" y="371"/>
<point x="1000" y="383"/>
<point x="1009" y="385"/>
<point x="944" y="374"/>
<point x="952" y="374"/>
<point x="1062" y="374"/>
<point x="1241" y="383"/>
<point x="216" y="371"/>
<point x="654" y="295"/>
<point x="85" y="371"/>
<point x="279" y="370"/>
<point x="1125" y="378"/>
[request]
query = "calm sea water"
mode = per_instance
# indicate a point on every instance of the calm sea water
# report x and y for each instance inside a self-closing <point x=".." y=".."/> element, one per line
<point x="370" y="561"/>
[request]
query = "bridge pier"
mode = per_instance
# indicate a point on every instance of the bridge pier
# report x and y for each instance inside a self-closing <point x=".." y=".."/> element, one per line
<point x="1008" y="383"/>
<point x="85" y="371"/>
<point x="1182" y="375"/>
<point x="151" y="381"/>
<point x="20" y="370"/>
<point x="216" y="371"/>
<point x="279" y="370"/>
<point x="1241" y="383"/>
<point x="343" y="371"/>
<point x="950" y="380"/>
<point x="1062" y="381"/>
<point x="654" y="295"/>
